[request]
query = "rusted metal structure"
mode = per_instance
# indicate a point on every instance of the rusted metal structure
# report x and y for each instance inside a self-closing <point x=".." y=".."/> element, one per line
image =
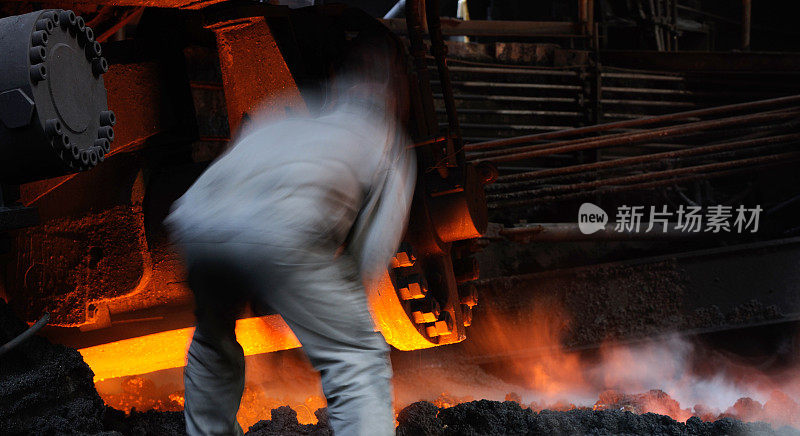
<point x="549" y="125"/>
<point x="180" y="88"/>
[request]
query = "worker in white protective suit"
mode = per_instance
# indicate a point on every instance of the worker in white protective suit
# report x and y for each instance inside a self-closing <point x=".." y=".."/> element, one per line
<point x="296" y="216"/>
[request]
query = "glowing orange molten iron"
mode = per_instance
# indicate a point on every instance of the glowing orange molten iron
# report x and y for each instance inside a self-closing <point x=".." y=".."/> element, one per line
<point x="266" y="334"/>
<point x="168" y="349"/>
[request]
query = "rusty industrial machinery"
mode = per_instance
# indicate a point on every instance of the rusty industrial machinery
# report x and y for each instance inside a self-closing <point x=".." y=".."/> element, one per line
<point x="180" y="87"/>
<point x="54" y="119"/>
<point x="108" y="113"/>
<point x="54" y="111"/>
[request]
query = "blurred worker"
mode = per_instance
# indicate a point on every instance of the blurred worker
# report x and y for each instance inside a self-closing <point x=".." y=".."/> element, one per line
<point x="296" y="216"/>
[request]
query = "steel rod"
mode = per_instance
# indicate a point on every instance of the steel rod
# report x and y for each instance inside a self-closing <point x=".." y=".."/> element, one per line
<point x="642" y="159"/>
<point x="455" y="152"/>
<point x="560" y="232"/>
<point x="490" y="155"/>
<point x="566" y="179"/>
<point x="783" y="158"/>
<point x="641" y="177"/>
<point x="633" y="138"/>
<point x="635" y="123"/>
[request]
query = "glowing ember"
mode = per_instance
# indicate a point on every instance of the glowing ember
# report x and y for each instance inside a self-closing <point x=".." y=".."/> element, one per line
<point x="168" y="349"/>
<point x="670" y="377"/>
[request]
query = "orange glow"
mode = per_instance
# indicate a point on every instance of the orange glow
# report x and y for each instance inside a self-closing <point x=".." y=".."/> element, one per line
<point x="257" y="80"/>
<point x="391" y="319"/>
<point x="554" y="371"/>
<point x="168" y="349"/>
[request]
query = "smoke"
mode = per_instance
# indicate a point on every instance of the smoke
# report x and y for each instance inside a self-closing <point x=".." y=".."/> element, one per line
<point x="671" y="375"/>
<point x="668" y="365"/>
<point x="521" y="362"/>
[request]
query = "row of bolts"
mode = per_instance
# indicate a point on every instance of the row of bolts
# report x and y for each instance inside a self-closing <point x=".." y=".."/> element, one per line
<point x="427" y="310"/>
<point x="68" y="21"/>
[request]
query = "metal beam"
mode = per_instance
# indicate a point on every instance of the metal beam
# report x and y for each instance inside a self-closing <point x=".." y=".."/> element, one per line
<point x="496" y="28"/>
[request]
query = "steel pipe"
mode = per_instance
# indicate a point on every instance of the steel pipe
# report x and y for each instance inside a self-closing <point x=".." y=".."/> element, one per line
<point x="631" y="138"/>
<point x="642" y="177"/>
<point x="635" y="123"/>
<point x="561" y="232"/>
<point x="533" y="175"/>
<point x="762" y="161"/>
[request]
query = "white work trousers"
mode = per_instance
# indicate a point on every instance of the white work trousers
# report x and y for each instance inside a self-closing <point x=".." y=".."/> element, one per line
<point x="322" y="300"/>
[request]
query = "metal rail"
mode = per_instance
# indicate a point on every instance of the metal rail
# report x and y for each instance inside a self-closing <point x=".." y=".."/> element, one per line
<point x="635" y="123"/>
<point x="646" y="176"/>
<point x="629" y="138"/>
<point x="766" y="162"/>
<point x="453" y="27"/>
<point x="513" y="180"/>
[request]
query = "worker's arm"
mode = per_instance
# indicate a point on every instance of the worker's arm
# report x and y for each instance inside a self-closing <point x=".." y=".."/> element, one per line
<point x="382" y="220"/>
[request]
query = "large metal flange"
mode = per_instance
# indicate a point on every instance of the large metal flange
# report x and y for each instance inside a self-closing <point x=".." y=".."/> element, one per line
<point x="402" y="305"/>
<point x="54" y="116"/>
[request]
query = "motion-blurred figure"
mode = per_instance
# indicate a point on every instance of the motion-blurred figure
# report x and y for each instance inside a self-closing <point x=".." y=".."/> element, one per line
<point x="296" y="216"/>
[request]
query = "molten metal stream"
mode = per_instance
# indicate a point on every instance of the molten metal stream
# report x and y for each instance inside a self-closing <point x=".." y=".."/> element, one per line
<point x="167" y="349"/>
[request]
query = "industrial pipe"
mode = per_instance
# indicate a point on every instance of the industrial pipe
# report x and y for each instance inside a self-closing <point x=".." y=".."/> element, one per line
<point x="514" y="179"/>
<point x="634" y="123"/>
<point x="629" y="139"/>
<point x="761" y="162"/>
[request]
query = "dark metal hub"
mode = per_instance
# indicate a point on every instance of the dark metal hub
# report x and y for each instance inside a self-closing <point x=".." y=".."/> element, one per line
<point x="54" y="117"/>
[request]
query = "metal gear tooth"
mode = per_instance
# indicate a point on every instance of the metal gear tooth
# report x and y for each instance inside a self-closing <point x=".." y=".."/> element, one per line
<point x="93" y="158"/>
<point x="403" y="259"/>
<point x="422" y="317"/>
<point x="442" y="329"/>
<point x="431" y="330"/>
<point x="412" y="291"/>
<point x="76" y="153"/>
<point x="426" y="311"/>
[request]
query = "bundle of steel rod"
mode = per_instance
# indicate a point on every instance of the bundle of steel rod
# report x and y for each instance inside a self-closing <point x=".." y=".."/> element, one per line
<point x="701" y="144"/>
